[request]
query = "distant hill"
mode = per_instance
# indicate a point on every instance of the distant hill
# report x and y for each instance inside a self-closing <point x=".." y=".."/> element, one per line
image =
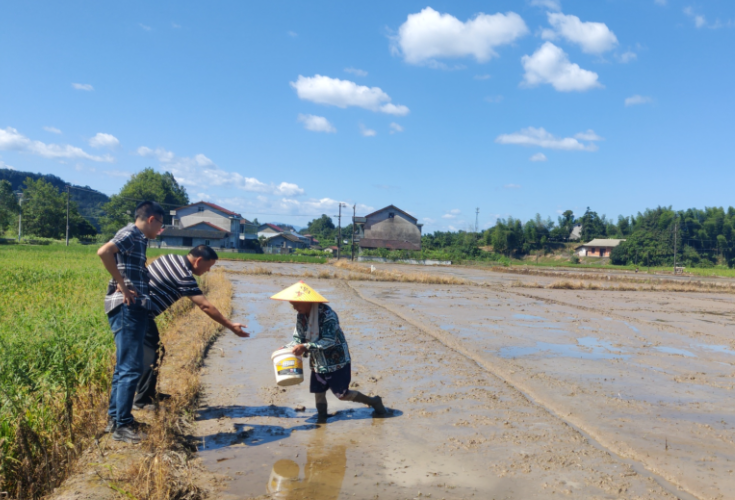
<point x="89" y="201"/>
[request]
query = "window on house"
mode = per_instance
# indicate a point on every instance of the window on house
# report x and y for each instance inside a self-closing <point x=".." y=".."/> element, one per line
<point x="200" y="209"/>
<point x="187" y="242"/>
<point x="206" y="242"/>
<point x="391" y="215"/>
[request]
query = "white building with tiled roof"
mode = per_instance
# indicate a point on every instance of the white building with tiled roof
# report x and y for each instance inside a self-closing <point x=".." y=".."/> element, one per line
<point x="204" y="223"/>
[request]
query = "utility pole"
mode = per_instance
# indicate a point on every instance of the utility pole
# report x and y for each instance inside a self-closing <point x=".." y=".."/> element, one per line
<point x="676" y="224"/>
<point x="339" y="226"/>
<point x="67" y="215"/>
<point x="354" y="207"/>
<point x="20" y="212"/>
<point x="477" y="215"/>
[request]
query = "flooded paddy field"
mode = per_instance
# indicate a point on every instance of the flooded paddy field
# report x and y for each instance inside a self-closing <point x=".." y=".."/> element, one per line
<point x="499" y="392"/>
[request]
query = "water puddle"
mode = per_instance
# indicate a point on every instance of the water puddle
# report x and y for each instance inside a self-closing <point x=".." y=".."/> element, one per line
<point x="320" y="477"/>
<point x="674" y="350"/>
<point x="529" y="317"/>
<point x="586" y="348"/>
<point x="636" y="330"/>
<point x="717" y="348"/>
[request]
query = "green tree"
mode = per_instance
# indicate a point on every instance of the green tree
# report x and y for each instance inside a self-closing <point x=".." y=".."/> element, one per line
<point x="44" y="212"/>
<point x="8" y="206"/>
<point x="145" y="185"/>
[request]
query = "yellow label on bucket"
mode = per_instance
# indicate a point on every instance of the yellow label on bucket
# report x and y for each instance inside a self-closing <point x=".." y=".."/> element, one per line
<point x="290" y="366"/>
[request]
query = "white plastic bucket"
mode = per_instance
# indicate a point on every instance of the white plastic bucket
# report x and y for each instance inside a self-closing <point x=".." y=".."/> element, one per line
<point x="288" y="366"/>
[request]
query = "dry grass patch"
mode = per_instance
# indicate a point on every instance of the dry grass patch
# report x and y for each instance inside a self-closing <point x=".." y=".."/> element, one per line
<point x="363" y="273"/>
<point x="696" y="287"/>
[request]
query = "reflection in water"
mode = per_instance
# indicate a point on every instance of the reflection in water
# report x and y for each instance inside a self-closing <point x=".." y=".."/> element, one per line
<point x="322" y="477"/>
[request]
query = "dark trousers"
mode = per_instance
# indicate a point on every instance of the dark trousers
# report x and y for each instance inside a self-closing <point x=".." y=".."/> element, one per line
<point x="153" y="353"/>
<point x="129" y="325"/>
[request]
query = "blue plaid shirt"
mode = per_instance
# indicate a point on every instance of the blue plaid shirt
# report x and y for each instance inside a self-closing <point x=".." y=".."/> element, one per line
<point x="131" y="244"/>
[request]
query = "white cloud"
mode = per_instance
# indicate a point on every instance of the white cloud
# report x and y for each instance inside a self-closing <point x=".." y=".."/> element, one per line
<point x="628" y="56"/>
<point x="494" y="98"/>
<point x="699" y="20"/>
<point x="637" y="99"/>
<point x="5" y="165"/>
<point x="174" y="25"/>
<point x="550" y="64"/>
<point x="82" y="86"/>
<point x="343" y="93"/>
<point x="12" y="140"/>
<point x="117" y="173"/>
<point x="428" y="220"/>
<point x="316" y="123"/>
<point x="356" y="72"/>
<point x="53" y="130"/>
<point x="366" y="132"/>
<point x="315" y="206"/>
<point x="203" y="196"/>
<point x="147" y="28"/>
<point x="452" y="214"/>
<point x="547" y="4"/>
<point x="200" y="171"/>
<point x="512" y="186"/>
<point x="589" y="136"/>
<point x="594" y="38"/>
<point x="538" y="157"/>
<point x="659" y="2"/>
<point x="539" y="137"/>
<point x="394" y="127"/>
<point x="102" y="140"/>
<point x="482" y="77"/>
<point x="429" y="35"/>
<point x="293" y="34"/>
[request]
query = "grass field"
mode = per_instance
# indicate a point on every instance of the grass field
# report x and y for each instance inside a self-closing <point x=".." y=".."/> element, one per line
<point x="55" y="361"/>
<point x="258" y="257"/>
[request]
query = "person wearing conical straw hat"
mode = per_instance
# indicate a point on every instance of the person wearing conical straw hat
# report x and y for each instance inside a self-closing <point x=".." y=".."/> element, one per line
<point x="318" y="335"/>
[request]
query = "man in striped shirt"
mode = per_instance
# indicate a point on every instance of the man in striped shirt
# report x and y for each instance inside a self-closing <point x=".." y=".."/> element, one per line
<point x="172" y="277"/>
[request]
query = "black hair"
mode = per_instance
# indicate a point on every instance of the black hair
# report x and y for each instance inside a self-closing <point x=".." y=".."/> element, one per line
<point x="204" y="251"/>
<point x="147" y="208"/>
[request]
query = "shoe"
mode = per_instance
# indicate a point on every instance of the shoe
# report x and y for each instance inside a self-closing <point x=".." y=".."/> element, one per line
<point x="379" y="409"/>
<point x="111" y="425"/>
<point x="129" y="433"/>
<point x="321" y="413"/>
<point x="146" y="407"/>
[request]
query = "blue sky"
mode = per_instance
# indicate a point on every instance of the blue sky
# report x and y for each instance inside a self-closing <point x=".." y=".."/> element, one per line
<point x="280" y="110"/>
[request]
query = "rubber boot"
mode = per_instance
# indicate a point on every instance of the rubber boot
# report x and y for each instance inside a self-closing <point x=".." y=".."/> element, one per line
<point x="321" y="413"/>
<point x="376" y="402"/>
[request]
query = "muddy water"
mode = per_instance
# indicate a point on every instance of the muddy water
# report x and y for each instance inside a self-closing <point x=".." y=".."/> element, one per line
<point x="648" y="375"/>
<point x="459" y="430"/>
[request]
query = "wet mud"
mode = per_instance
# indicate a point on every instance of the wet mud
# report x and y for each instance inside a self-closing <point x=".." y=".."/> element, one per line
<point x="500" y="393"/>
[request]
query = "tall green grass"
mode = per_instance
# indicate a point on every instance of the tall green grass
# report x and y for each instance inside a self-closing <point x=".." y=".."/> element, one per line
<point x="258" y="257"/>
<point x="55" y="359"/>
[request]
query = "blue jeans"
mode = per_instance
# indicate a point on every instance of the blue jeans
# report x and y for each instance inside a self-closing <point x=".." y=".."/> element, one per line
<point x="129" y="324"/>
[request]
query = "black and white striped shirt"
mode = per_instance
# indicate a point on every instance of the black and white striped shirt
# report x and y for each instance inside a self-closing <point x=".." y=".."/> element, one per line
<point x="171" y="278"/>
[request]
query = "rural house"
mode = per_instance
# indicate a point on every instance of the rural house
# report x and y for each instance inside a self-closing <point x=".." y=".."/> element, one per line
<point x="285" y="243"/>
<point x="204" y="223"/>
<point x="597" y="248"/>
<point x="390" y="228"/>
<point x="269" y="230"/>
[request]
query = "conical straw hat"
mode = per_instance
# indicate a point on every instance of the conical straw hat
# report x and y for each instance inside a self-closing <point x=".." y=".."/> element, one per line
<point x="299" y="292"/>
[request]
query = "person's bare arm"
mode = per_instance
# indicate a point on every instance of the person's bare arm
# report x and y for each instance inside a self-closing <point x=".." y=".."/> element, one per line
<point x="210" y="310"/>
<point x="107" y="254"/>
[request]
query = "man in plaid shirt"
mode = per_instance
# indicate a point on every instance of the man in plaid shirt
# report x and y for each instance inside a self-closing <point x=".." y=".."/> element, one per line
<point x="127" y="304"/>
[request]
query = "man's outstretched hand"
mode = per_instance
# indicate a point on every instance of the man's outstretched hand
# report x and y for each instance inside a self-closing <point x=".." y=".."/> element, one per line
<point x="237" y="329"/>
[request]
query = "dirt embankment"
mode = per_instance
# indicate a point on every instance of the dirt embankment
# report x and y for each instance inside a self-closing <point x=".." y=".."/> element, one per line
<point x="161" y="467"/>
